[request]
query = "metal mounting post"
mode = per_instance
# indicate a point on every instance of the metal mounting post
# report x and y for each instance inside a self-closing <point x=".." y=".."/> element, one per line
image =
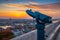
<point x="40" y="30"/>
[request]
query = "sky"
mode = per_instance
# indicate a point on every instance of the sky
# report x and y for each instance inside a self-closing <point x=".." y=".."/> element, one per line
<point x="17" y="8"/>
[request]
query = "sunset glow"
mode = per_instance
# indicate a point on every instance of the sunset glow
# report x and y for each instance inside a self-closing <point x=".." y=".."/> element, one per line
<point x="15" y="10"/>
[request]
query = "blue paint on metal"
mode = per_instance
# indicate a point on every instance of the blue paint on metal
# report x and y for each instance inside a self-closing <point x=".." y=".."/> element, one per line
<point x="41" y="20"/>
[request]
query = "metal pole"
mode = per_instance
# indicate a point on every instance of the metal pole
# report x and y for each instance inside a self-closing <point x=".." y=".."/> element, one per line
<point x="40" y="30"/>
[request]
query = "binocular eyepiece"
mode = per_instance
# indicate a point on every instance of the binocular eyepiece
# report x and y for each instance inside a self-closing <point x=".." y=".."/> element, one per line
<point x="42" y="17"/>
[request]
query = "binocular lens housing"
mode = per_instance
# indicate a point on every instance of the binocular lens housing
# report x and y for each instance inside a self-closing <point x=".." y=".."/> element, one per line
<point x="42" y="17"/>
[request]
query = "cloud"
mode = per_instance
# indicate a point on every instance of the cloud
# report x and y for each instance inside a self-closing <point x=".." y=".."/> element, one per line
<point x="33" y="3"/>
<point x="19" y="9"/>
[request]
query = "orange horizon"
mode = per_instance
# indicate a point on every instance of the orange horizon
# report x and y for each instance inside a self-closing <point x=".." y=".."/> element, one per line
<point x="13" y="11"/>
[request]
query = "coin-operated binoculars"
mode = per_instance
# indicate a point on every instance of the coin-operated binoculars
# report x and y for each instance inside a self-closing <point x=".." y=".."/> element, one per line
<point x="41" y="20"/>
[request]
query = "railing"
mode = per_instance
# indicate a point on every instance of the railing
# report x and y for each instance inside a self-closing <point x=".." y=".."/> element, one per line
<point x="33" y="34"/>
<point x="54" y="35"/>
